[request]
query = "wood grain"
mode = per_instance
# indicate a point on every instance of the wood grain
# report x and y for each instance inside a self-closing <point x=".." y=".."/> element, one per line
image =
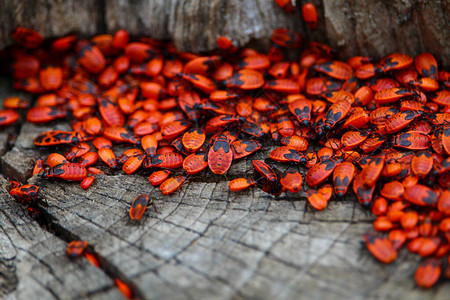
<point x="374" y="28"/>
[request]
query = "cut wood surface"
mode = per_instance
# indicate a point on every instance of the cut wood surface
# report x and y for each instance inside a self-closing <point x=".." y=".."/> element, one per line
<point x="374" y="28"/>
<point x="202" y="242"/>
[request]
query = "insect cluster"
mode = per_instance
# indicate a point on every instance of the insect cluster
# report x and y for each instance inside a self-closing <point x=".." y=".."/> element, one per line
<point x="379" y="129"/>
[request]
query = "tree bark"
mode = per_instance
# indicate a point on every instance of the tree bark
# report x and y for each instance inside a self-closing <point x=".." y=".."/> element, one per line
<point x="374" y="28"/>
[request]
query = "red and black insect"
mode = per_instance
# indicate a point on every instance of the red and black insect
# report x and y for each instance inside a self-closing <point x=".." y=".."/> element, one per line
<point x="335" y="69"/>
<point x="38" y="166"/>
<point x="336" y="113"/>
<point x="121" y="135"/>
<point x="45" y="114"/>
<point x="76" y="249"/>
<point x="321" y="171"/>
<point x="28" y="38"/>
<point x="133" y="163"/>
<point x="264" y="170"/>
<point x="291" y="181"/>
<point x="301" y="109"/>
<point x="171" y="184"/>
<point x="240" y="184"/>
<point x="420" y="195"/>
<point x="170" y="160"/>
<point x="243" y="148"/>
<point x="363" y="192"/>
<point x="68" y="171"/>
<point x="245" y="79"/>
<point x="286" y="38"/>
<point x="220" y="155"/>
<point x="381" y="248"/>
<point x="422" y="163"/>
<point x="110" y="112"/>
<point x="309" y="15"/>
<point x="287" y="155"/>
<point x="158" y="177"/>
<point x="412" y="140"/>
<point x="8" y="117"/>
<point x="428" y="272"/>
<point x="58" y="137"/>
<point x="288" y="5"/>
<point x="26" y="194"/>
<point x="90" y="57"/>
<point x="195" y="163"/>
<point x="342" y="177"/>
<point x="108" y="157"/>
<point x="139" y="206"/>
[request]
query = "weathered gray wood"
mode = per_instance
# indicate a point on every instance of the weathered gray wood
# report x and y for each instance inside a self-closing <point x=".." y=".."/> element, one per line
<point x="374" y="28"/>
<point x="204" y="241"/>
<point x="33" y="263"/>
<point x="52" y="18"/>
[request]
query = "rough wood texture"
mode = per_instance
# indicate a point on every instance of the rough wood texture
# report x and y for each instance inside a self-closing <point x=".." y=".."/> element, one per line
<point x="374" y="28"/>
<point x="203" y="242"/>
<point x="52" y="18"/>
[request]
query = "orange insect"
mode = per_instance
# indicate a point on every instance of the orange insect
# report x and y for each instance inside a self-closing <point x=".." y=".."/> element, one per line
<point x="412" y="140"/>
<point x="321" y="171"/>
<point x="158" y="177"/>
<point x="420" y="195"/>
<point x="245" y="79"/>
<point x="301" y="109"/>
<point x="265" y="170"/>
<point x="195" y="163"/>
<point x="76" y="248"/>
<point x="38" y="166"/>
<point x="108" y="157"/>
<point x="170" y="160"/>
<point x="335" y="69"/>
<point x="58" y="137"/>
<point x="87" y="182"/>
<point x="220" y="155"/>
<point x="316" y="199"/>
<point x="288" y="5"/>
<point x="138" y="206"/>
<point x="342" y="177"/>
<point x="133" y="163"/>
<point x="110" y="112"/>
<point x="15" y="103"/>
<point x="121" y="135"/>
<point x="336" y="112"/>
<point x="381" y="248"/>
<point x="139" y="52"/>
<point x="426" y="65"/>
<point x="90" y="57"/>
<point x="240" y="184"/>
<point x="428" y="273"/>
<point x="291" y="181"/>
<point x="363" y="193"/>
<point x="28" y="38"/>
<point x="422" y="163"/>
<point x="67" y="171"/>
<point x="8" y="117"/>
<point x="286" y="38"/>
<point x="309" y="15"/>
<point x="26" y="194"/>
<point x="55" y="159"/>
<point x="170" y="185"/>
<point x="51" y="77"/>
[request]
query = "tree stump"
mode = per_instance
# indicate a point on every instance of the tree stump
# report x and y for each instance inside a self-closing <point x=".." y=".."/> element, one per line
<point x="374" y="28"/>
<point x="203" y="241"/>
